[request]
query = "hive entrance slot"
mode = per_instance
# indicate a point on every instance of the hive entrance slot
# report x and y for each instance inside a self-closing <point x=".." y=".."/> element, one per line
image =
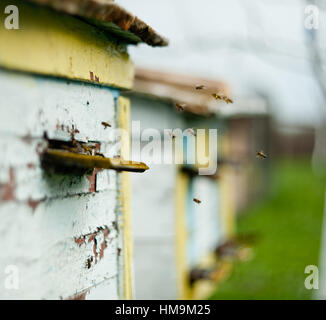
<point x="74" y="157"/>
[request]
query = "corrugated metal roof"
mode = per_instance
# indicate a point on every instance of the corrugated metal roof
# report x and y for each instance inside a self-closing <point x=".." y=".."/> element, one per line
<point x="108" y="15"/>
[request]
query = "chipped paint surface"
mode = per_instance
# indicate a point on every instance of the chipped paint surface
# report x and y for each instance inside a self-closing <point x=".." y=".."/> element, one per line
<point x="59" y="230"/>
<point x="56" y="44"/>
<point x="153" y="212"/>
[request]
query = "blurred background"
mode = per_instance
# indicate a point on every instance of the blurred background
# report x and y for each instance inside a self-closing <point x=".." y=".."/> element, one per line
<point x="273" y="51"/>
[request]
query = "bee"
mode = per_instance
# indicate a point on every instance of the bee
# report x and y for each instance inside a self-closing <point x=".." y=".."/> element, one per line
<point x="86" y="149"/>
<point x="200" y="87"/>
<point x="99" y="154"/>
<point x="75" y="131"/>
<point x="172" y="135"/>
<point x="227" y="100"/>
<point x="196" y="200"/>
<point x="105" y="124"/>
<point x="191" y="131"/>
<point x="261" y="154"/>
<point x="222" y="97"/>
<point x="217" y="96"/>
<point x="180" y="106"/>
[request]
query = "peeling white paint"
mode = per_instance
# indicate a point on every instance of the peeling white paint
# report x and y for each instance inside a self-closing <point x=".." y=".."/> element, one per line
<point x="47" y="216"/>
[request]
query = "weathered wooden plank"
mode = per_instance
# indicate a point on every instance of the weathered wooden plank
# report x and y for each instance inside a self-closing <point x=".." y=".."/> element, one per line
<point x="107" y="290"/>
<point x="110" y="16"/>
<point x="158" y="219"/>
<point x="70" y="243"/>
<point x="56" y="44"/>
<point x="155" y="277"/>
<point x="55" y="107"/>
<point x="203" y="220"/>
<point x="21" y="172"/>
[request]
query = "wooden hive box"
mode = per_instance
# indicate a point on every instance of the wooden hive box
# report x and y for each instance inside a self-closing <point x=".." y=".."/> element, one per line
<point x="173" y="235"/>
<point x="65" y="230"/>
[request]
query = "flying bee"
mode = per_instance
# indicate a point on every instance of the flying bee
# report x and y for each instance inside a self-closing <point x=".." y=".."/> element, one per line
<point x="196" y="200"/>
<point x="227" y="100"/>
<point x="200" y="87"/>
<point x="261" y="154"/>
<point x="217" y="96"/>
<point x="192" y="132"/>
<point x="105" y="124"/>
<point x="180" y="106"/>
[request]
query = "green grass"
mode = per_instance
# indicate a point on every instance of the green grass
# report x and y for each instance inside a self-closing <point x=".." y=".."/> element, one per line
<point x="289" y="222"/>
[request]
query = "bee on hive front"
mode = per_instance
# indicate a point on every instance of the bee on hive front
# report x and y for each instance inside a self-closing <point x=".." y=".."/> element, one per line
<point x="197" y="200"/>
<point x="105" y="124"/>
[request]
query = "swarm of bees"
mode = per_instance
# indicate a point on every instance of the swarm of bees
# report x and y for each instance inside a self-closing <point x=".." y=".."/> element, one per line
<point x="182" y="106"/>
<point x="216" y="96"/>
<point x="222" y="97"/>
<point x="261" y="154"/>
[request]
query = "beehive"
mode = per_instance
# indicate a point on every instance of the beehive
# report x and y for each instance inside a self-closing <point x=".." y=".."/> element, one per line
<point x="176" y="238"/>
<point x="65" y="233"/>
